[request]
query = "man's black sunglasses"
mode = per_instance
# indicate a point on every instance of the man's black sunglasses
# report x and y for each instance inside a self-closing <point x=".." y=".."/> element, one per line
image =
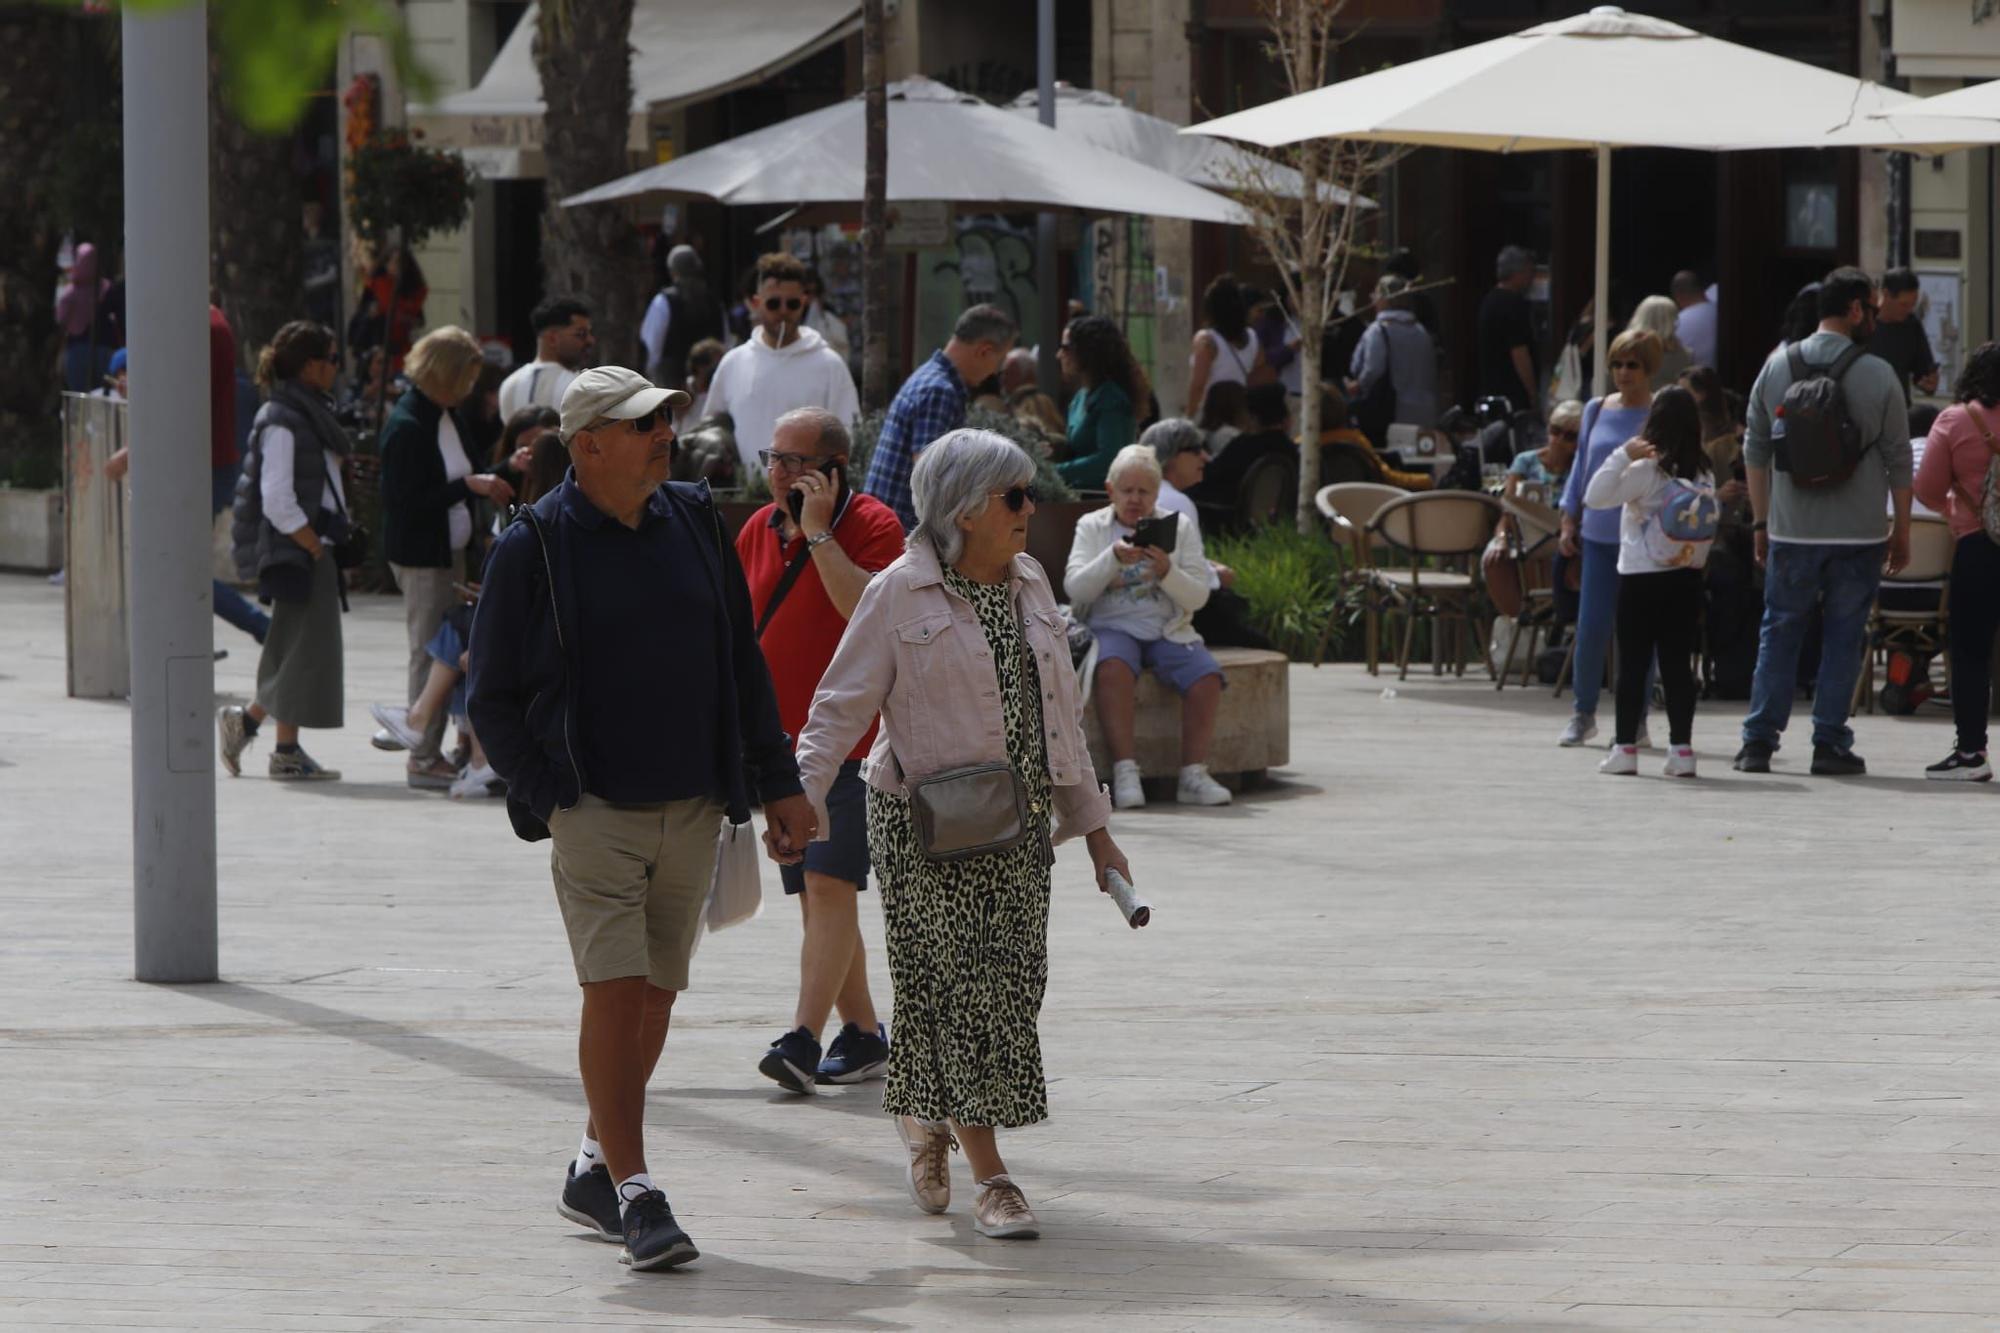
<point x="1018" y="496"/>
<point x="775" y="304"/>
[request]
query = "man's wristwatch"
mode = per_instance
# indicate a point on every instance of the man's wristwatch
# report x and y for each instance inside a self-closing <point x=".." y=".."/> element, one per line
<point x="814" y="543"/>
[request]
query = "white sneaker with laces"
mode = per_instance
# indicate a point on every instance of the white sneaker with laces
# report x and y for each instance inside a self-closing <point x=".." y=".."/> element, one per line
<point x="1582" y="726"/>
<point x="1198" y="788"/>
<point x="1680" y="761"/>
<point x="1621" y="762"/>
<point x="475" y="783"/>
<point x="395" y="720"/>
<point x="1127" y="791"/>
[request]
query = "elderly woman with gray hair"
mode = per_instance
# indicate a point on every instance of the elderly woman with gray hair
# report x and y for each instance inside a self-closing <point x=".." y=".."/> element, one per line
<point x="961" y="649"/>
<point x="1139" y="599"/>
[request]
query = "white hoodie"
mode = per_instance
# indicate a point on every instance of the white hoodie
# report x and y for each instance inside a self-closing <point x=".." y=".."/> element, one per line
<point x="1645" y="546"/>
<point x="757" y="383"/>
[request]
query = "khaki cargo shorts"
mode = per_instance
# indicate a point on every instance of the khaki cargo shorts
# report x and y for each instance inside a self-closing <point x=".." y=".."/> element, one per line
<point x="632" y="881"/>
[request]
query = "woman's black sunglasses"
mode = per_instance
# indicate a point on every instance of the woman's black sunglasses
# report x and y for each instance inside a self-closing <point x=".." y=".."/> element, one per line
<point x="1018" y="496"/>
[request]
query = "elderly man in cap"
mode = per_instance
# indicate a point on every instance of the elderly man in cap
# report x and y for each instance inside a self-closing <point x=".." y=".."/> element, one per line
<point x="617" y="685"/>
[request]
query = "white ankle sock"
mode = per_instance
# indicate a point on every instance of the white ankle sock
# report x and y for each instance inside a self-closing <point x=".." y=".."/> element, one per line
<point x="631" y="1188"/>
<point x="589" y="1155"/>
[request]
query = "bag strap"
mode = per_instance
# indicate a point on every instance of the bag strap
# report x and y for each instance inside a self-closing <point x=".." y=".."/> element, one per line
<point x="1795" y="361"/>
<point x="1845" y="362"/>
<point x="793" y="569"/>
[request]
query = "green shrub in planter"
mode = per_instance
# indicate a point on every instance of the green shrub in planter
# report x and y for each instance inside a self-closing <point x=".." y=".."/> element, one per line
<point x="1292" y="585"/>
<point x="1047" y="481"/>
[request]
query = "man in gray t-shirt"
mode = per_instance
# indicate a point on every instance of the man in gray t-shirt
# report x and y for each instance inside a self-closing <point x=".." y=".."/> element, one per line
<point x="1824" y="546"/>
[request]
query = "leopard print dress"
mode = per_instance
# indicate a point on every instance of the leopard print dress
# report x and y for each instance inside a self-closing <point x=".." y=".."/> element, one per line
<point x="968" y="940"/>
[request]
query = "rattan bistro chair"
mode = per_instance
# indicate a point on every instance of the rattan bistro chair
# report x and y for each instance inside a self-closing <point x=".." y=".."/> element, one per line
<point x="1924" y="631"/>
<point x="1348" y="507"/>
<point x="1532" y="538"/>
<point x="1450" y="527"/>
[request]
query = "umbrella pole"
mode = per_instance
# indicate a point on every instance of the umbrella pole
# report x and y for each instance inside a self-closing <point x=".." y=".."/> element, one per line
<point x="1600" y="324"/>
<point x="1048" y="321"/>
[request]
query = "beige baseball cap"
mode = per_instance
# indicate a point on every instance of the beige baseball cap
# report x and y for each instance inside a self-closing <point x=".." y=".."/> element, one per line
<point x="614" y="393"/>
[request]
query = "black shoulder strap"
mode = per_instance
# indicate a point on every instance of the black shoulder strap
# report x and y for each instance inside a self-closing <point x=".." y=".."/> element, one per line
<point x="1795" y="361"/>
<point x="795" y="567"/>
<point x="1845" y="361"/>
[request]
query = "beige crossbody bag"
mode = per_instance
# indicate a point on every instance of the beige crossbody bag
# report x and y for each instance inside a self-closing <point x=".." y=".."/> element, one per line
<point x="971" y="811"/>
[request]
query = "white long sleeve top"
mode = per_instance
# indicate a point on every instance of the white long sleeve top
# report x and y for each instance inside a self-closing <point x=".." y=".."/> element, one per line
<point x="274" y="483"/>
<point x="1642" y="488"/>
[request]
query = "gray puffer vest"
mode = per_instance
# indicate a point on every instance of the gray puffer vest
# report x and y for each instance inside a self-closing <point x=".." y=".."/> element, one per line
<point x="257" y="545"/>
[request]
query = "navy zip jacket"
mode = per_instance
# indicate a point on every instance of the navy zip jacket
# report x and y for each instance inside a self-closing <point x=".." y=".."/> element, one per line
<point x="524" y="640"/>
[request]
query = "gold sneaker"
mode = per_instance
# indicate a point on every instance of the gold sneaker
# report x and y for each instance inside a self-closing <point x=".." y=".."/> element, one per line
<point x="1000" y="1210"/>
<point x="929" y="1173"/>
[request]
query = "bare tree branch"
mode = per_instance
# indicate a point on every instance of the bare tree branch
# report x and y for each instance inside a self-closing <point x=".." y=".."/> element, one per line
<point x="1302" y="201"/>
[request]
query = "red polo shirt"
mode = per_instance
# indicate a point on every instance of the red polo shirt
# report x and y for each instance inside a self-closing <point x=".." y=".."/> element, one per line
<point x="800" y="640"/>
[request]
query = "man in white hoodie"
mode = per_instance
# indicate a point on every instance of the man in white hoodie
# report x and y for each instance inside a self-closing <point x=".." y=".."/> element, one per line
<point x="784" y="365"/>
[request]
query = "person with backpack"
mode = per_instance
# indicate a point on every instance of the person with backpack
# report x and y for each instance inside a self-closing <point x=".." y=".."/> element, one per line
<point x="1957" y="477"/>
<point x="615" y="680"/>
<point x="1826" y="451"/>
<point x="1661" y="482"/>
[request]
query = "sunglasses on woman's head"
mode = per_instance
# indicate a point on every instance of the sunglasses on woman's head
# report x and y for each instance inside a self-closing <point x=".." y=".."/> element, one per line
<point x="1018" y="496"/>
<point x="775" y="303"/>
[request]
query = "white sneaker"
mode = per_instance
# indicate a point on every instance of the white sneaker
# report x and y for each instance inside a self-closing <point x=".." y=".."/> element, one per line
<point x="1680" y="761"/>
<point x="395" y="720"/>
<point x="1127" y="792"/>
<point x="1198" y="788"/>
<point x="1582" y="726"/>
<point x="475" y="783"/>
<point x="1623" y="761"/>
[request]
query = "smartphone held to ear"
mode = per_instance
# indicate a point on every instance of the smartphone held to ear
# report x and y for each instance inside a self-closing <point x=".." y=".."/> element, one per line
<point x="795" y="501"/>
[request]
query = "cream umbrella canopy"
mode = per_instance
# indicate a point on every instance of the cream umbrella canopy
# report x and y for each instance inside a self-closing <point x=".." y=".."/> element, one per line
<point x="1627" y="81"/>
<point x="943" y="146"/>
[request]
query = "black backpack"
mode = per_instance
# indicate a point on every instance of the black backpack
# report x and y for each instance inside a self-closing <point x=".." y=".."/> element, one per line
<point x="1814" y="436"/>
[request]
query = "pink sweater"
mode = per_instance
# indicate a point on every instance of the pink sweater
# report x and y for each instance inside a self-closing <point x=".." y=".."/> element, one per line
<point x="1952" y="477"/>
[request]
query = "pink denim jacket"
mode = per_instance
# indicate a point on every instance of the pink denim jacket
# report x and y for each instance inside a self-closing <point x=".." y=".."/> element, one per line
<point x="915" y="653"/>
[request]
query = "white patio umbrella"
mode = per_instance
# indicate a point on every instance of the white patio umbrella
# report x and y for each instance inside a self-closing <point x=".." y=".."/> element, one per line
<point x="1979" y="102"/>
<point x="1602" y="80"/>
<point x="942" y="147"/>
<point x="1101" y="119"/>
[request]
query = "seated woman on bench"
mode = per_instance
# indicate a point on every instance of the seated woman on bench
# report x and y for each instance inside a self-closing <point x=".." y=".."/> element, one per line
<point x="1138" y="586"/>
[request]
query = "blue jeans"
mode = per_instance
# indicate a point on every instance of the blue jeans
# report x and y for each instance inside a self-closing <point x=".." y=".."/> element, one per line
<point x="230" y="604"/>
<point x="1596" y="617"/>
<point x="1842" y="581"/>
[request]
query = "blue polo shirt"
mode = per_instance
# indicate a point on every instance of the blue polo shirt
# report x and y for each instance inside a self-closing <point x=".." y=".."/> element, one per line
<point x="646" y="662"/>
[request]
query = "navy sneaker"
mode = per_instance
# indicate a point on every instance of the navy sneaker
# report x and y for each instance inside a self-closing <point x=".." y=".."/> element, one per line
<point x="856" y="1056"/>
<point x="652" y="1238"/>
<point x="591" y="1201"/>
<point x="792" y="1061"/>
<point x="1830" y="762"/>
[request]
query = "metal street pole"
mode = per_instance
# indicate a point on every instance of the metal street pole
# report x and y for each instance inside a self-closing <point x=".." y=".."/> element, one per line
<point x="173" y="636"/>
<point x="1047" y="281"/>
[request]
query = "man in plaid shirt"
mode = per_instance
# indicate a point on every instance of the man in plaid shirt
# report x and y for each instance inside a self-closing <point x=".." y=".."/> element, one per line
<point x="933" y="401"/>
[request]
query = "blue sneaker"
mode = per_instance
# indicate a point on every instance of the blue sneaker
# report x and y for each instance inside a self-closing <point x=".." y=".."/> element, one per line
<point x="856" y="1056"/>
<point x="791" y="1061"/>
<point x="652" y="1238"/>
<point x="591" y="1201"/>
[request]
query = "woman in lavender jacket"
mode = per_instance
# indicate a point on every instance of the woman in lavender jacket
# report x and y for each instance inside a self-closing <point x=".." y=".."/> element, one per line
<point x="936" y="646"/>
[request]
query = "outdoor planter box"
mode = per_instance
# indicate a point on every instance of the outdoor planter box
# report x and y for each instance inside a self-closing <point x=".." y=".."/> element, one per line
<point x="31" y="530"/>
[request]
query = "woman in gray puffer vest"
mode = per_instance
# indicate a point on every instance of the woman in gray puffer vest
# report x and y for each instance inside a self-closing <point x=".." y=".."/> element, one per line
<point x="291" y="510"/>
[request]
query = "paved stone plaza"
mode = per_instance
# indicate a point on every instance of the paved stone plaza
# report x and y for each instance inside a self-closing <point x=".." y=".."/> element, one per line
<point x="1441" y="1029"/>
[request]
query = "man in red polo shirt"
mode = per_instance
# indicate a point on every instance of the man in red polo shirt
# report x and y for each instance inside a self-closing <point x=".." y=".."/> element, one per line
<point x="807" y="557"/>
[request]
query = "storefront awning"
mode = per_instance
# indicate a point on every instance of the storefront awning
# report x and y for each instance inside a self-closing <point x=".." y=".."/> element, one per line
<point x="682" y="51"/>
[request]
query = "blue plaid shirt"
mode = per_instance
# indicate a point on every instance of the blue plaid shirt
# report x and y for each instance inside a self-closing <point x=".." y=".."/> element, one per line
<point x="931" y="402"/>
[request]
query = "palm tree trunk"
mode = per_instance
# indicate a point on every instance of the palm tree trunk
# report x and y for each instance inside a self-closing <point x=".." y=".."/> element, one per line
<point x="874" y="214"/>
<point x="31" y="101"/>
<point x="255" y="223"/>
<point x="583" y="52"/>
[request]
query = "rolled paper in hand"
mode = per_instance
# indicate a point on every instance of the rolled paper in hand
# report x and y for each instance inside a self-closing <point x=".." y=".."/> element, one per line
<point x="1137" y="911"/>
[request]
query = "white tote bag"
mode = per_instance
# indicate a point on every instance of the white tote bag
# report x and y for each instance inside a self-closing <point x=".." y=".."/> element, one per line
<point x="736" y="893"/>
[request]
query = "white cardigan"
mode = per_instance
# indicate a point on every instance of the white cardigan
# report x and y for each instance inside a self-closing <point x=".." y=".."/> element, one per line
<point x="1093" y="565"/>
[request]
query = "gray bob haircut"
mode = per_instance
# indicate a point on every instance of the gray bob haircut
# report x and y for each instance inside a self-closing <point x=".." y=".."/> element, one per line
<point x="1173" y="435"/>
<point x="956" y="477"/>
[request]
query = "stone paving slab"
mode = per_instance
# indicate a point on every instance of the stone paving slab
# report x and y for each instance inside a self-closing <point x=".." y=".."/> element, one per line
<point x="1441" y="1030"/>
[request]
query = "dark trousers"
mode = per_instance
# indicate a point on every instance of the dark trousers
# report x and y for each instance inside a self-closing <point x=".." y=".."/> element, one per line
<point x="1975" y="616"/>
<point x="1658" y="613"/>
